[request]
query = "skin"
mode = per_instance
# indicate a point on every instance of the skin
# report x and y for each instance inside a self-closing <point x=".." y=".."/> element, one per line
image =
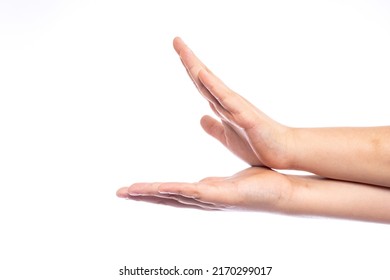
<point x="262" y="189"/>
<point x="359" y="158"/>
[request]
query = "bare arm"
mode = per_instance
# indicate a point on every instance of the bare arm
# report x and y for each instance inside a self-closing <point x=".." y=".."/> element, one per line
<point x="332" y="198"/>
<point x="346" y="153"/>
<point x="262" y="189"/>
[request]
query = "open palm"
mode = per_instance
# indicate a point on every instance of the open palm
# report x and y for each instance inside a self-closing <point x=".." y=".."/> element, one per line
<point x="244" y="129"/>
<point x="255" y="188"/>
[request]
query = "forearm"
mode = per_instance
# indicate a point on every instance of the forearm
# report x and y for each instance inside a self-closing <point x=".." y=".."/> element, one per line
<point x="351" y="154"/>
<point x="314" y="196"/>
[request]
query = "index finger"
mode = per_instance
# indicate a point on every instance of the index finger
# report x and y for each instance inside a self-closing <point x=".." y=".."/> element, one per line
<point x="185" y="52"/>
<point x="193" y="65"/>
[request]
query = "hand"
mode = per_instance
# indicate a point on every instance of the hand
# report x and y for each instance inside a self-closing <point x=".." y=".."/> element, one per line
<point x="255" y="188"/>
<point x="261" y="141"/>
<point x="259" y="188"/>
<point x="244" y="129"/>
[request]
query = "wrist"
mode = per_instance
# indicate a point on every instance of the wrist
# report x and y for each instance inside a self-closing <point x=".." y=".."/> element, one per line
<point x="290" y="154"/>
<point x="295" y="150"/>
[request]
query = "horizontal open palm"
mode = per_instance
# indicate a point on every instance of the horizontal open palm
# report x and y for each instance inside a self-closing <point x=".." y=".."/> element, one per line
<point x="255" y="188"/>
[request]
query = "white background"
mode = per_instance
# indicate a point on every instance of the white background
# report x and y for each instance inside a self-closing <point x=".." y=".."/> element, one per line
<point x="93" y="98"/>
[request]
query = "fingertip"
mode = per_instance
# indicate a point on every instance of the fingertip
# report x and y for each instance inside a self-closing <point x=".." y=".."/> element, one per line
<point x="213" y="83"/>
<point x="205" y="120"/>
<point x="122" y="192"/>
<point x="178" y="43"/>
<point x="177" y="39"/>
<point x="208" y="123"/>
<point x="214" y="128"/>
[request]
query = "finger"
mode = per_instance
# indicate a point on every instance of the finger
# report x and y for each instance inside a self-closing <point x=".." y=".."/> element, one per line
<point x="229" y="104"/>
<point x="223" y="94"/>
<point x="157" y="189"/>
<point x="213" y="128"/>
<point x="192" y="65"/>
<point x="165" y="201"/>
<point x="189" y="190"/>
<point x="122" y="192"/>
<point x="178" y="44"/>
<point x="140" y="189"/>
<point x="215" y="110"/>
<point x="218" y="110"/>
<point x="230" y="137"/>
<point x="191" y="202"/>
<point x="220" y="130"/>
<point x="168" y="199"/>
<point x="183" y="50"/>
<point x="205" y="193"/>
